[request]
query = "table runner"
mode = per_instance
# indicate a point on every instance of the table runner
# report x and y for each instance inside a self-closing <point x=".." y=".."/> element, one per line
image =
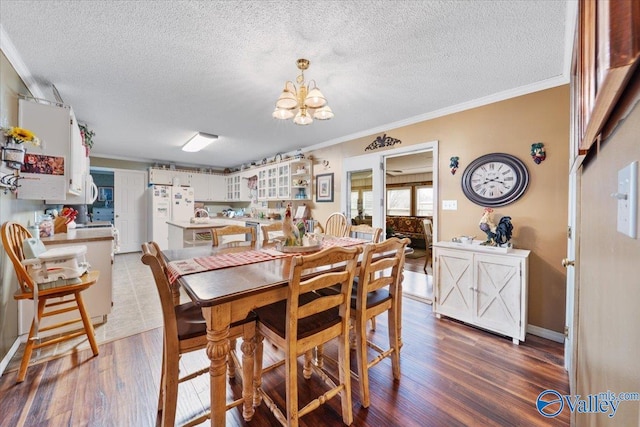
<point x="176" y="269"/>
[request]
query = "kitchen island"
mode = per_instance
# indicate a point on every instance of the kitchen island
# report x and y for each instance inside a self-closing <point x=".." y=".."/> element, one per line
<point x="100" y="248"/>
<point x="183" y="234"/>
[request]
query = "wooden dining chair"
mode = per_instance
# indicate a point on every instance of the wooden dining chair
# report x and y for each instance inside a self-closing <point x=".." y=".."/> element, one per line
<point x="336" y="225"/>
<point x="233" y="230"/>
<point x="365" y="231"/>
<point x="378" y="290"/>
<point x="305" y="320"/>
<point x="185" y="331"/>
<point x="270" y="231"/>
<point x="427" y="226"/>
<point x="49" y="298"/>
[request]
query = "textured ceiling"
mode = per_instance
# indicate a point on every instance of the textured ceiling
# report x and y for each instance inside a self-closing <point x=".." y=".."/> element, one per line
<point x="147" y="75"/>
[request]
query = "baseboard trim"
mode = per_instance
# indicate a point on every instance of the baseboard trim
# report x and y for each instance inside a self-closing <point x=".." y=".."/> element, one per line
<point x="545" y="333"/>
<point x="7" y="358"/>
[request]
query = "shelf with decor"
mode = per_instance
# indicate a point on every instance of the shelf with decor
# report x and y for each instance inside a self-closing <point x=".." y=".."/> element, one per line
<point x="301" y="178"/>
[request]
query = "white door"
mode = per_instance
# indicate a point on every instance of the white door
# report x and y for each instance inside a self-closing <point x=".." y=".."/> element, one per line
<point x="130" y="205"/>
<point x="360" y="168"/>
<point x="571" y="311"/>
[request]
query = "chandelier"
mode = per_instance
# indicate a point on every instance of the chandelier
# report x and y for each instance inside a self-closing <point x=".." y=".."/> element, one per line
<point x="303" y="103"/>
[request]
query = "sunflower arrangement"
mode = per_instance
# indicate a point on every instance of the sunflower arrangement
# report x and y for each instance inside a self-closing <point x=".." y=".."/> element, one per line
<point x="20" y="136"/>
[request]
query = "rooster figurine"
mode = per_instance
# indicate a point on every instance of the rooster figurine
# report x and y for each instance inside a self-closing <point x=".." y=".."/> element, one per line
<point x="289" y="229"/>
<point x="496" y="234"/>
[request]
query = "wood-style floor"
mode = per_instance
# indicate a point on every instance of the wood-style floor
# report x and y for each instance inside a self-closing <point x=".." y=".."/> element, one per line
<point x="452" y="375"/>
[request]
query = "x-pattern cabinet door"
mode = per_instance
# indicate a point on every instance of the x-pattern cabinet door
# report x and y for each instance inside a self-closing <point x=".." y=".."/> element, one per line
<point x="497" y="293"/>
<point x="454" y="279"/>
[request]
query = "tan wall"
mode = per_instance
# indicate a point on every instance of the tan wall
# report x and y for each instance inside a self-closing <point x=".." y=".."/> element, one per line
<point x="608" y="332"/>
<point x="10" y="209"/>
<point x="539" y="217"/>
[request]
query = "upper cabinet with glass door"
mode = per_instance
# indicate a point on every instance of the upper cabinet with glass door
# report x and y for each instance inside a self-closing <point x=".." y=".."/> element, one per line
<point x="605" y="54"/>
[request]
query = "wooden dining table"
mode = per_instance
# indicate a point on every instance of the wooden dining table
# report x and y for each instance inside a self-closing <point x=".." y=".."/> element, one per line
<point x="227" y="295"/>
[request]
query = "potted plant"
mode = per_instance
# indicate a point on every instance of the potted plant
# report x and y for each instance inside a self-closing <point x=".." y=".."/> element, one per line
<point x="13" y="151"/>
<point x="87" y="137"/>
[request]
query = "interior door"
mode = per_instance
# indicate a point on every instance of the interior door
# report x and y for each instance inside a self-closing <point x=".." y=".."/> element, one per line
<point x="130" y="205"/>
<point x="571" y="311"/>
<point x="358" y="174"/>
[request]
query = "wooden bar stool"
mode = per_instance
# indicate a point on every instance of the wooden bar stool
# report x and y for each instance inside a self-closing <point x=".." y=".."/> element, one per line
<point x="49" y="298"/>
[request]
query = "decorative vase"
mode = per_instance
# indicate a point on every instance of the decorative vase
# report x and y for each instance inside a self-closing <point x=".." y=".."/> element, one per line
<point x="13" y="154"/>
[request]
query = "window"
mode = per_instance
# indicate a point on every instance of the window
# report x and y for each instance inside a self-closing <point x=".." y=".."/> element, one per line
<point x="410" y="200"/>
<point x="399" y="201"/>
<point x="366" y="203"/>
<point x="424" y="201"/>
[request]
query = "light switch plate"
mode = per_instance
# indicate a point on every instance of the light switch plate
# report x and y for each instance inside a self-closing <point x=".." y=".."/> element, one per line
<point x="627" y="196"/>
<point x="449" y="205"/>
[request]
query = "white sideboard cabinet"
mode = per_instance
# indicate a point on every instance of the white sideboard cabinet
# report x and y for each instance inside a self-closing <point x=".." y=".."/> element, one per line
<point x="482" y="286"/>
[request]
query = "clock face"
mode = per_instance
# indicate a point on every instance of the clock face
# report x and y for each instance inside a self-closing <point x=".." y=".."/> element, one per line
<point x="495" y="180"/>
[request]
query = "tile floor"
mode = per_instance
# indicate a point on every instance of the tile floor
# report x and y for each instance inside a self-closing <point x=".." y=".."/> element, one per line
<point x="136" y="307"/>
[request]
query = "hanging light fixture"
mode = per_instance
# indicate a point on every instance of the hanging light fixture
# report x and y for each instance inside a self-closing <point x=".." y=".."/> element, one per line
<point x="304" y="103"/>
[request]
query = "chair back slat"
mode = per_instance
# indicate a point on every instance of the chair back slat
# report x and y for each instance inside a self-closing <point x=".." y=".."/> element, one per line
<point x="151" y="256"/>
<point x="366" y="231"/>
<point x="384" y="272"/>
<point x="342" y="259"/>
<point x="336" y="225"/>
<point x="269" y="230"/>
<point x="13" y="237"/>
<point x="230" y="230"/>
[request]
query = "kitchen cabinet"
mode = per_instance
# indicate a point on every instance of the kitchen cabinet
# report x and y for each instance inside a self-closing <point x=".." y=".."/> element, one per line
<point x="482" y="286"/>
<point x="97" y="298"/>
<point x="208" y="187"/>
<point x="287" y="180"/>
<point x="102" y="214"/>
<point x="160" y="176"/>
<point x="58" y="130"/>
<point x="301" y="179"/>
<point x="606" y="53"/>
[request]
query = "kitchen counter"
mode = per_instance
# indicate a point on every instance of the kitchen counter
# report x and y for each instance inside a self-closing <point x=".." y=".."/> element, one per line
<point x="79" y="235"/>
<point x="220" y="222"/>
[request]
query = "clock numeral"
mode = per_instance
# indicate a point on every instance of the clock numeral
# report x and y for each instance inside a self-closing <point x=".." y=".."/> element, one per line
<point x="508" y="178"/>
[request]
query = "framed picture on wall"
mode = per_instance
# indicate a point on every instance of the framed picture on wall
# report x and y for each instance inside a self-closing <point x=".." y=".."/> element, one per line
<point x="105" y="194"/>
<point x="324" y="187"/>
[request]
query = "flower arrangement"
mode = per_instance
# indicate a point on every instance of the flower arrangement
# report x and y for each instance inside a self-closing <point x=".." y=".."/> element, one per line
<point x="20" y="135"/>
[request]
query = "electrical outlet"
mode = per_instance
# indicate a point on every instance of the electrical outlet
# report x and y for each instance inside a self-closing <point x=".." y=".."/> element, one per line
<point x="449" y="205"/>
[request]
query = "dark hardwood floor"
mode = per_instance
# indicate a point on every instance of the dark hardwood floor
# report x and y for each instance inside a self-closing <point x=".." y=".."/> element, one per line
<point x="452" y="375"/>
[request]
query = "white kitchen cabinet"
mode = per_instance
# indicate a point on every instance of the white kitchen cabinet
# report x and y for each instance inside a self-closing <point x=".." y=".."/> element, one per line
<point x="102" y="214"/>
<point x="57" y="128"/>
<point x="482" y="286"/>
<point x="160" y="176"/>
<point x="301" y="178"/>
<point x="208" y="187"/>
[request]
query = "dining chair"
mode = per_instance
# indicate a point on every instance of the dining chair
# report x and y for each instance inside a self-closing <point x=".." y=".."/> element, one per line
<point x="270" y="231"/>
<point x="305" y="320"/>
<point x="233" y="230"/>
<point x="378" y="290"/>
<point x="365" y="231"/>
<point x="49" y="298"/>
<point x="336" y="225"/>
<point x="185" y="331"/>
<point x="427" y="226"/>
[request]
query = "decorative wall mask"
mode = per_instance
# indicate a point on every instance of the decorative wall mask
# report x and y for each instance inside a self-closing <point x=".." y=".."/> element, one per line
<point x="537" y="152"/>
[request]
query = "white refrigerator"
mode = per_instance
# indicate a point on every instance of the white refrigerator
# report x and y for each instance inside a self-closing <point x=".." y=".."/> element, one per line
<point x="168" y="203"/>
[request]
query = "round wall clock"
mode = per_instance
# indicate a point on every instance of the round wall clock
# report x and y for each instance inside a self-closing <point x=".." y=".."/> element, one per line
<point x="495" y="179"/>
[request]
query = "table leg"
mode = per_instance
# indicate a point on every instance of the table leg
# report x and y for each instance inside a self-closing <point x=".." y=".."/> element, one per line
<point x="218" y="319"/>
<point x="248" y="349"/>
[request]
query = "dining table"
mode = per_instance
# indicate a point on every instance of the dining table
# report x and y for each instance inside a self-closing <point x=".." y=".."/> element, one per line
<point x="227" y="282"/>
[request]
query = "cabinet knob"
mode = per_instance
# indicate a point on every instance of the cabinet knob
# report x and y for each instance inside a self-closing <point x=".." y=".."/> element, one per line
<point x="567" y="262"/>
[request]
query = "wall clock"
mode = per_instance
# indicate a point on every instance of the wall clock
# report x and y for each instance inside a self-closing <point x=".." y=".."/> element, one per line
<point x="495" y="179"/>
